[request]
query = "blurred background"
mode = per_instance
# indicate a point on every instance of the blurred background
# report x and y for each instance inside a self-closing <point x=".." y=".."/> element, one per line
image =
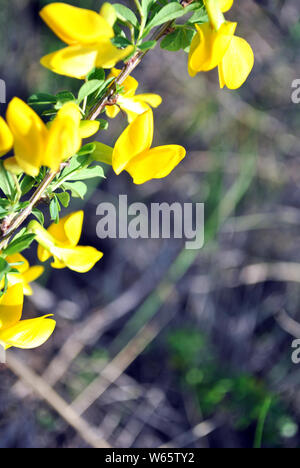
<point x="159" y="346"/>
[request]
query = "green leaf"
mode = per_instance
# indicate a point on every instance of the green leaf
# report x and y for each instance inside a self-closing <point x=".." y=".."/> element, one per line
<point x="64" y="199"/>
<point x="87" y="149"/>
<point x="103" y="153"/>
<point x="125" y="14"/>
<point x="39" y="216"/>
<point x="147" y="45"/>
<point x="55" y="209"/>
<point x="120" y="42"/>
<point x="41" y="101"/>
<point x="3" y="212"/>
<point x="146" y="5"/>
<point x="200" y="16"/>
<point x="167" y="13"/>
<point x="96" y="74"/>
<point x="88" y="88"/>
<point x="26" y="184"/>
<point x="6" y="182"/>
<point x="180" y="39"/>
<point x="4" y="267"/>
<point x="172" y="42"/>
<point x="78" y="189"/>
<point x="65" y="96"/>
<point x="88" y="173"/>
<point x="62" y="98"/>
<point x="77" y="162"/>
<point x="103" y="124"/>
<point x="19" y="244"/>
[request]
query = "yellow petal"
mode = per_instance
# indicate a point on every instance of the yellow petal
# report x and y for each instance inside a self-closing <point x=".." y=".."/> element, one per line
<point x="11" y="305"/>
<point x="33" y="273"/>
<point x="74" y="61"/>
<point x="6" y="138"/>
<point x="132" y="106"/>
<point x="25" y="278"/>
<point x="236" y="64"/>
<point x="89" y="128"/>
<point x="154" y="100"/>
<point x="12" y="166"/>
<point x="108" y="55"/>
<point x="129" y="86"/>
<point x="212" y="46"/>
<point x="28" y="334"/>
<point x="26" y="273"/>
<point x="30" y="135"/>
<point x="156" y="163"/>
<point x="68" y="231"/>
<point x="43" y="254"/>
<point x="226" y="5"/>
<point x="194" y="45"/>
<point x="138" y="104"/>
<point x="80" y="259"/>
<point x="108" y="13"/>
<point x="112" y="111"/>
<point x="64" y="137"/>
<point x="76" y="25"/>
<point x="73" y="226"/>
<point x="136" y="139"/>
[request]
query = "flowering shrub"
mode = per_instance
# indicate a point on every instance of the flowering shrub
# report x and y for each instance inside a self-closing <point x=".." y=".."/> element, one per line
<point x="42" y="140"/>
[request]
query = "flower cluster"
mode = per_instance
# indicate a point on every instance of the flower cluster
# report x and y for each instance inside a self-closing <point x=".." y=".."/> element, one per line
<point x="42" y="140"/>
<point x="215" y="45"/>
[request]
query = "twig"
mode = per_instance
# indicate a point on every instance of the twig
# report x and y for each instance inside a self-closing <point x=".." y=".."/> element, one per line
<point x="38" y="384"/>
<point x="95" y="325"/>
<point x="118" y="365"/>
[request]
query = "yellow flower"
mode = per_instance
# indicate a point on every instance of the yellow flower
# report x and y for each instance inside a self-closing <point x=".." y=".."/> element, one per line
<point x="61" y="240"/>
<point x="26" y="274"/>
<point x="6" y="138"/>
<point x="129" y="102"/>
<point x="25" y="334"/>
<point x="215" y="45"/>
<point x="34" y="144"/>
<point x="225" y="5"/>
<point x="133" y="153"/>
<point x="88" y="35"/>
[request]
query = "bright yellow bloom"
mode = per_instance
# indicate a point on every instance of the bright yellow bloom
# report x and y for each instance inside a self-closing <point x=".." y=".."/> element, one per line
<point x="88" y="35"/>
<point x="6" y="138"/>
<point x="25" y="334"/>
<point x="225" y="5"/>
<point x="132" y="152"/>
<point x="215" y="45"/>
<point x="88" y="128"/>
<point x="61" y="240"/>
<point x="34" y="144"/>
<point x="26" y="274"/>
<point x="131" y="103"/>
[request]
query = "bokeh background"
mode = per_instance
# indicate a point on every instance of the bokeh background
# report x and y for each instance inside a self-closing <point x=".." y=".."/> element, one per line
<point x="159" y="346"/>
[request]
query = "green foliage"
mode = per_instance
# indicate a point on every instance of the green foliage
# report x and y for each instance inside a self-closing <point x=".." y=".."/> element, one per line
<point x="19" y="244"/>
<point x="220" y="390"/>
<point x="181" y="38"/>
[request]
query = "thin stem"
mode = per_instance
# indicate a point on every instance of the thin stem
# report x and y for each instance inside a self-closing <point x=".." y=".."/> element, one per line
<point x="139" y="8"/>
<point x="143" y="20"/>
<point x="23" y="215"/>
<point x="261" y="422"/>
<point x="18" y="188"/>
